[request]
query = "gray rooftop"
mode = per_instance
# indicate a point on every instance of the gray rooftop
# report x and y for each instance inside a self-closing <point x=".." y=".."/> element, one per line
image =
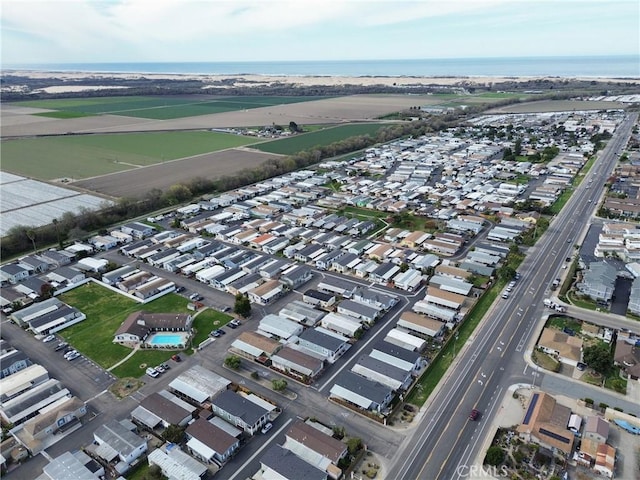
<point x="238" y="406"/>
<point x="359" y="308"/>
<point x="290" y="466"/>
<point x="118" y="437"/>
<point x="329" y="342"/>
<point x="199" y="383"/>
<point x="383" y="368"/>
<point x="373" y="391"/>
<point x="68" y="467"/>
<point x="395" y="351"/>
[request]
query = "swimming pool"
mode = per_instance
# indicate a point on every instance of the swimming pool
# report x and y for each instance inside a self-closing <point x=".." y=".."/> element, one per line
<point x="167" y="339"/>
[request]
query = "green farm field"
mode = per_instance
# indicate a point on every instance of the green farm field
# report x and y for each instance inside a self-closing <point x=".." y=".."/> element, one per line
<point x="160" y="108"/>
<point x="84" y="156"/>
<point x="291" y="145"/>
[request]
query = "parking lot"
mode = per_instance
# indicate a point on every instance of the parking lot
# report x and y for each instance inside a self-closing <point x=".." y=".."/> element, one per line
<point x="83" y="377"/>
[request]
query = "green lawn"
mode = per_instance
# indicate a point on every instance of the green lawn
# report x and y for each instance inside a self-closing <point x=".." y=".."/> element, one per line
<point x="559" y="204"/>
<point x="360" y="212"/>
<point x="306" y="141"/>
<point x="82" y="156"/>
<point x="205" y="322"/>
<point x="105" y="311"/>
<point x="581" y="302"/>
<point x="136" y="365"/>
<point x="545" y="361"/>
<point x="561" y="322"/>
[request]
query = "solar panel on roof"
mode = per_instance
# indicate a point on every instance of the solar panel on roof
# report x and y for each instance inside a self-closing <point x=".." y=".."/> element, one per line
<point x="555" y="436"/>
<point x="532" y="405"/>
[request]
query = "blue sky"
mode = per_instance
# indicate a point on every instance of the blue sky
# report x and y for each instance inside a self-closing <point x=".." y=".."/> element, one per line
<point x="69" y="31"/>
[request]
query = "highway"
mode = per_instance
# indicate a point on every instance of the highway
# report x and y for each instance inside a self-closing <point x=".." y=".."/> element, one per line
<point x="493" y="358"/>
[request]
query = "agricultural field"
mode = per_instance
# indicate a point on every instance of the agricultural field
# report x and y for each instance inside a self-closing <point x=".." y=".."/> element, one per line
<point x="84" y="156"/>
<point x="19" y="120"/>
<point x="136" y="182"/>
<point x="291" y="145"/>
<point x="160" y="108"/>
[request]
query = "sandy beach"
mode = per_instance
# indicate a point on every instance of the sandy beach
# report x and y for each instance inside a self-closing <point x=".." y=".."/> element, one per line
<point x="303" y="81"/>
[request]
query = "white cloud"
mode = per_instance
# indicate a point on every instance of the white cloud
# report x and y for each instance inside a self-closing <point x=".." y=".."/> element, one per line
<point x="223" y="30"/>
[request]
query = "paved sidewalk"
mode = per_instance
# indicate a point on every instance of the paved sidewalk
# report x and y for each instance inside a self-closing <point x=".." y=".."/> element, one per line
<point x="133" y="352"/>
<point x="510" y="413"/>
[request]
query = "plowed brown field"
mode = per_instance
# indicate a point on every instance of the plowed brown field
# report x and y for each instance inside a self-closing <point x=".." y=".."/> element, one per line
<point x="134" y="183"/>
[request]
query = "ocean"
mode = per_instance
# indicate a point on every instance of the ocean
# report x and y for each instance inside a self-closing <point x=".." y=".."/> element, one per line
<point x="621" y="66"/>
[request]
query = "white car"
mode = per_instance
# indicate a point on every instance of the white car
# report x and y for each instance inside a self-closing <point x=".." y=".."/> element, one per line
<point x="73" y="356"/>
<point x="152" y="372"/>
<point x="49" y="338"/>
<point x="69" y="353"/>
<point x="266" y="428"/>
<point x="160" y="369"/>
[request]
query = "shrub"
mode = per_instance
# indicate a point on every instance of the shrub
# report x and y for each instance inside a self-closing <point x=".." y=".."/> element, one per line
<point x="278" y="384"/>
<point x="233" y="361"/>
<point x="494" y="456"/>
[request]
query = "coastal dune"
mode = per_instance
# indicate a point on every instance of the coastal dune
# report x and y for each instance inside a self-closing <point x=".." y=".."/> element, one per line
<point x="301" y="80"/>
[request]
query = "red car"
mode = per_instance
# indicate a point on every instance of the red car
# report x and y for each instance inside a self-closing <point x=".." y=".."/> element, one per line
<point x="474" y="415"/>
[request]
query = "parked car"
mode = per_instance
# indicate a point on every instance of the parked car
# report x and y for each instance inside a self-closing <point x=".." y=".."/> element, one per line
<point x="60" y="346"/>
<point x="165" y="366"/>
<point x="179" y="289"/>
<point x="581" y="366"/>
<point x="235" y="322"/>
<point x="73" y="356"/>
<point x="474" y="415"/>
<point x="266" y="428"/>
<point x="69" y="353"/>
<point x="232" y="325"/>
<point x="176" y="358"/>
<point x="49" y="338"/>
<point x="159" y="369"/>
<point x="152" y="372"/>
